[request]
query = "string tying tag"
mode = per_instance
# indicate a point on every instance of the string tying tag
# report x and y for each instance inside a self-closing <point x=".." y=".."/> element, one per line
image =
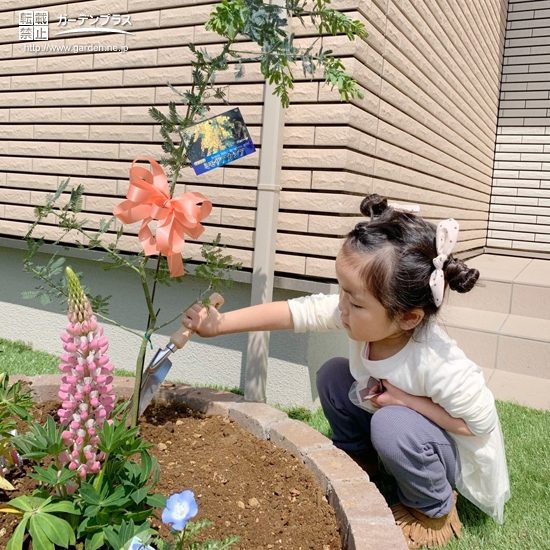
<point x="147" y="336"/>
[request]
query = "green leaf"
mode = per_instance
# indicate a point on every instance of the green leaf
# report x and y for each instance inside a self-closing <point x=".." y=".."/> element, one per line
<point x="75" y="201"/>
<point x="57" y="530"/>
<point x="140" y="494"/>
<point x="95" y="542"/>
<point x="16" y="541"/>
<point x="112" y="537"/>
<point x="83" y="527"/>
<point x="146" y="466"/>
<point x="114" y="499"/>
<point x="92" y="511"/>
<point x="22" y="503"/>
<point x="30" y="294"/>
<point x="40" y="540"/>
<point x="89" y="494"/>
<point x="156" y="500"/>
<point x="60" y="190"/>
<point x="62" y="506"/>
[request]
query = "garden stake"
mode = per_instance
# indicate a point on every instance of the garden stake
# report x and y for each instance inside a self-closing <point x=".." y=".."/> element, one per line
<point x="158" y="368"/>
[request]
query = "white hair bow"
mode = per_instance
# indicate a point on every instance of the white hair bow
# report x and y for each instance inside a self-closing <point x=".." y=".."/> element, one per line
<point x="409" y="208"/>
<point x="445" y="240"/>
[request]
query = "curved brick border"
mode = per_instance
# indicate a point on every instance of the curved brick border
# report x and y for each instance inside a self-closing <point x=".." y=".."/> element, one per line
<point x="361" y="511"/>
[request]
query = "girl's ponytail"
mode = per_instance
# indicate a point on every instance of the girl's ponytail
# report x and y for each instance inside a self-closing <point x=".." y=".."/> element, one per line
<point x="459" y="276"/>
<point x="395" y="251"/>
<point x="373" y="206"/>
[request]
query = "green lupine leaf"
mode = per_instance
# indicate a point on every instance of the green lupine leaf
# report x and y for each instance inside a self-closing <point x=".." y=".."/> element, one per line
<point x="57" y="530"/>
<point x="22" y="503"/>
<point x="92" y="511"/>
<point x="95" y="542"/>
<point x="139" y="516"/>
<point x="62" y="506"/>
<point x="89" y="494"/>
<point x="146" y="466"/>
<point x="40" y="540"/>
<point x="140" y="494"/>
<point x="156" y="500"/>
<point x="16" y="541"/>
<point x="112" y="537"/>
<point x="114" y="499"/>
<point x="83" y="527"/>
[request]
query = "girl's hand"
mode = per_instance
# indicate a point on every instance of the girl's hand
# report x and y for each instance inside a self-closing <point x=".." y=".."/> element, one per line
<point x="392" y="396"/>
<point x="204" y="321"/>
<point x="423" y="405"/>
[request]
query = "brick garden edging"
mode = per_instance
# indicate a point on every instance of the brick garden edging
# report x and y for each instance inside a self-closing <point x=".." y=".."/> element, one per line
<point x="364" y="517"/>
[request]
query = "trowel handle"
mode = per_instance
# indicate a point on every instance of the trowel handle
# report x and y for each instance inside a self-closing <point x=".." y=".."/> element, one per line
<point x="180" y="337"/>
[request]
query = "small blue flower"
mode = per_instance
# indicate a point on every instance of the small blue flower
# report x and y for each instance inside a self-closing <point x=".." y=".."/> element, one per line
<point x="180" y="508"/>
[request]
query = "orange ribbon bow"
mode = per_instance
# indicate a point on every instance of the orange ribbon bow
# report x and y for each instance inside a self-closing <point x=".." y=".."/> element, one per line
<point x="149" y="199"/>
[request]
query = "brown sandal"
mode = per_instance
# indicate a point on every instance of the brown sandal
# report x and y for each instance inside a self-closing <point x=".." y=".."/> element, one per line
<point x="421" y="530"/>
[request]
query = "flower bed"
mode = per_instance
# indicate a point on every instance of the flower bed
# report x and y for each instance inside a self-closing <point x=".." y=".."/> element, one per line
<point x="361" y="513"/>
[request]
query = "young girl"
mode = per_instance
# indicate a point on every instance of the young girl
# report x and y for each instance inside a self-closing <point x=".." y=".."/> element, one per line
<point x="407" y="392"/>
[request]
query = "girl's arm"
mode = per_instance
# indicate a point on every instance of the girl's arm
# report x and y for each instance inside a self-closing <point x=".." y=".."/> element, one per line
<point x="210" y="322"/>
<point x="423" y="405"/>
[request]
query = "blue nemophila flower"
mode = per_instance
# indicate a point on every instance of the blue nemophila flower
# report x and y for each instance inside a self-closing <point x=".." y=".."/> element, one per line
<point x="180" y="508"/>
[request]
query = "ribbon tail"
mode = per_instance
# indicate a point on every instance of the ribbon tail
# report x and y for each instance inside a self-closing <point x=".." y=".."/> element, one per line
<point x="175" y="264"/>
<point x="147" y="239"/>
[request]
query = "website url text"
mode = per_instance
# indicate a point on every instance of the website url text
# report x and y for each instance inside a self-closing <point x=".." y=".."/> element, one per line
<point x="77" y="48"/>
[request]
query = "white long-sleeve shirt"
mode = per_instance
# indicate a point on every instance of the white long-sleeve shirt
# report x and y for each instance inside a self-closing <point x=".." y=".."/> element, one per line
<point x="431" y="365"/>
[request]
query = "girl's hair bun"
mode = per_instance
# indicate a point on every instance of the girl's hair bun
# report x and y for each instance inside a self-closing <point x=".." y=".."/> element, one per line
<point x="373" y="205"/>
<point x="459" y="276"/>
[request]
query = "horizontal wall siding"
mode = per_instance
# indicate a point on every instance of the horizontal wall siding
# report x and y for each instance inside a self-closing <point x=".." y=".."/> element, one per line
<point x="520" y="204"/>
<point x="424" y="132"/>
<point x="431" y="72"/>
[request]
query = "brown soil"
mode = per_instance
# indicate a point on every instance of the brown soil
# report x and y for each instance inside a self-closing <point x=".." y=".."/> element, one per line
<point x="245" y="485"/>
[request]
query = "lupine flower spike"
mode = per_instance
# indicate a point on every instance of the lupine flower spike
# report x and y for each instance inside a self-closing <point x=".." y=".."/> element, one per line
<point x="86" y="389"/>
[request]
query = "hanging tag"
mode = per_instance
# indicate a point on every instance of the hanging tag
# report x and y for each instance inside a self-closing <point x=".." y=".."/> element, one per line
<point x="218" y="141"/>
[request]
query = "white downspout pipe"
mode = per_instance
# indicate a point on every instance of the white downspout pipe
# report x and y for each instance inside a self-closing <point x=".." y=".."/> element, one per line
<point x="267" y="212"/>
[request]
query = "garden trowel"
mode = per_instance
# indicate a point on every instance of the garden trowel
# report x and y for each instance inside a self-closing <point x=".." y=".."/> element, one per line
<point x="158" y="368"/>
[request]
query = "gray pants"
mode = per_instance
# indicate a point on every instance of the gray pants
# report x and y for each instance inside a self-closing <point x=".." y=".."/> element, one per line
<point x="418" y="453"/>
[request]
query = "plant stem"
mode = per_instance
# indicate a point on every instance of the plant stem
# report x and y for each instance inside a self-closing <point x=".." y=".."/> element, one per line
<point x="151" y="321"/>
<point x="149" y="297"/>
<point x="137" y="384"/>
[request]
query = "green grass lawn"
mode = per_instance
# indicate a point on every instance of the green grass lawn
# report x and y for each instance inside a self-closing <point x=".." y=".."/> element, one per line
<point x="20" y="358"/>
<point x="526" y="434"/>
<point x="527" y="514"/>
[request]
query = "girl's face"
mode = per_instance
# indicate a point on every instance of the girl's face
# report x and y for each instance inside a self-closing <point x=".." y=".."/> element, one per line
<point x="363" y="316"/>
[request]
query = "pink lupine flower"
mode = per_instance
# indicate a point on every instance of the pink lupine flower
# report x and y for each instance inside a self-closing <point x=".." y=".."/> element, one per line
<point x="86" y="387"/>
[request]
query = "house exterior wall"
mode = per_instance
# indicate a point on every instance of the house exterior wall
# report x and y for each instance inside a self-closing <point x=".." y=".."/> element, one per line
<point x="436" y="115"/>
<point x="519" y="219"/>
<point x="424" y="133"/>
